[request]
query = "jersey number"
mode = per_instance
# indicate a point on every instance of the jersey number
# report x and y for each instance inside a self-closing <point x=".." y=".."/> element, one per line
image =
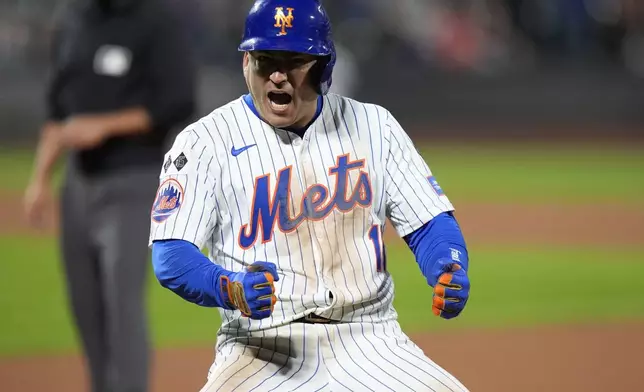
<point x="381" y="258"/>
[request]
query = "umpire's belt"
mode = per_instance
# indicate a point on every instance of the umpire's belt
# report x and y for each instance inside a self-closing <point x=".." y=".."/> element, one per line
<point x="315" y="319"/>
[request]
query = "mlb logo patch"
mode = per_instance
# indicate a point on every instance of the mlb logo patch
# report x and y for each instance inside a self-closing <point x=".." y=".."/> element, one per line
<point x="434" y="184"/>
<point x="167" y="201"/>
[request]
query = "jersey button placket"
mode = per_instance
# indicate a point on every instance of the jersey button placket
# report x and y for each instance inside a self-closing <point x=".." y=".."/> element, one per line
<point x="308" y="180"/>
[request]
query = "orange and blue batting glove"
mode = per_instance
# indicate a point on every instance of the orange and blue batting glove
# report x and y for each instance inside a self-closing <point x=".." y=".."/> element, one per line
<point x="442" y="256"/>
<point x="252" y="292"/>
<point x="451" y="289"/>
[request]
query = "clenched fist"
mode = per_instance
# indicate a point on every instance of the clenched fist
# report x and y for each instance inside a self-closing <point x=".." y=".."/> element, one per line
<point x="451" y="289"/>
<point x="251" y="291"/>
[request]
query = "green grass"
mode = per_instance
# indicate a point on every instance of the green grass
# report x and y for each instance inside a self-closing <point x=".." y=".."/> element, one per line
<point x="535" y="173"/>
<point x="510" y="287"/>
<point x="530" y="287"/>
<point x="16" y="167"/>
<point x="539" y="173"/>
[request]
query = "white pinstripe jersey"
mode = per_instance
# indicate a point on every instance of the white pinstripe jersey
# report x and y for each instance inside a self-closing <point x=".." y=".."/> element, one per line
<point x="315" y="206"/>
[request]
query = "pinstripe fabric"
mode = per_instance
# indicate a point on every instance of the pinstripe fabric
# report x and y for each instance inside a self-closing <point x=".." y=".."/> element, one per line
<point x="341" y="357"/>
<point x="329" y="264"/>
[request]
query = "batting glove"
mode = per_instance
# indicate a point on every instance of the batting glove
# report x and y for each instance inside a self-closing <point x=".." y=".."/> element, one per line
<point x="251" y="291"/>
<point x="451" y="289"/>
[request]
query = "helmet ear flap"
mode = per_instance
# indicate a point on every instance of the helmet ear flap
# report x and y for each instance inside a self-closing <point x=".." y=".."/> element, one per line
<point x="324" y="77"/>
<point x="316" y="74"/>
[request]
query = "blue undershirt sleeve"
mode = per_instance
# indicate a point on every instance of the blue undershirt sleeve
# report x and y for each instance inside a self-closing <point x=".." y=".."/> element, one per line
<point x="181" y="267"/>
<point x="437" y="245"/>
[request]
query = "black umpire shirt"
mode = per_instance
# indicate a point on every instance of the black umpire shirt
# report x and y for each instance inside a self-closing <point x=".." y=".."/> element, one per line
<point x="110" y="55"/>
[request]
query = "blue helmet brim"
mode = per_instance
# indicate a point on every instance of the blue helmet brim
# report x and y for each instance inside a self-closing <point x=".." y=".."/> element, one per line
<point x="303" y="46"/>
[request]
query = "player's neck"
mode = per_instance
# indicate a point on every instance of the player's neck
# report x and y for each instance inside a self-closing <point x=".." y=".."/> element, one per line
<point x="306" y="123"/>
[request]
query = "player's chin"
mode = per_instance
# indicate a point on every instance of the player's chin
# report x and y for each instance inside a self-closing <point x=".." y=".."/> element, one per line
<point x="280" y="119"/>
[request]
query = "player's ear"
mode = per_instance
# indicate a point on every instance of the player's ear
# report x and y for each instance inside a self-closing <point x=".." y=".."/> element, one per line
<point x="246" y="68"/>
<point x="245" y="63"/>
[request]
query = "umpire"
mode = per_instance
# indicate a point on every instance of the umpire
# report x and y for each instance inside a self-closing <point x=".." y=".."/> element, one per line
<point x="123" y="77"/>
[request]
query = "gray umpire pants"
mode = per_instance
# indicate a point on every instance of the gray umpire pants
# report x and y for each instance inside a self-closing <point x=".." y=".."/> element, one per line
<point x="104" y="234"/>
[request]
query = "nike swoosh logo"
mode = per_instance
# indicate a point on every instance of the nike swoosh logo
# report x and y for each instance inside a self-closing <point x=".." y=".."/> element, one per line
<point x="238" y="151"/>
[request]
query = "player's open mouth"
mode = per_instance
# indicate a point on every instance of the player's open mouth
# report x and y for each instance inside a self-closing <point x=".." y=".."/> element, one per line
<point x="279" y="101"/>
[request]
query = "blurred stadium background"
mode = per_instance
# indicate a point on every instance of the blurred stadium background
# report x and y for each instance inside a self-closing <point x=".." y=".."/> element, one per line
<point x="530" y="113"/>
<point x="470" y="66"/>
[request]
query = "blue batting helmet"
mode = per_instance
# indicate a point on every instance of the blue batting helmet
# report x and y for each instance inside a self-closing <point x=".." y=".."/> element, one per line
<point x="300" y="26"/>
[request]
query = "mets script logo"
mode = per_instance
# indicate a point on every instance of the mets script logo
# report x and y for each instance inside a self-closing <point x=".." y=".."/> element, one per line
<point x="316" y="204"/>
<point x="282" y="20"/>
<point x="168" y="200"/>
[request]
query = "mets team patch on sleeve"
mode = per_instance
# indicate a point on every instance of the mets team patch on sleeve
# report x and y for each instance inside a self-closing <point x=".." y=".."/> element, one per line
<point x="434" y="184"/>
<point x="167" y="201"/>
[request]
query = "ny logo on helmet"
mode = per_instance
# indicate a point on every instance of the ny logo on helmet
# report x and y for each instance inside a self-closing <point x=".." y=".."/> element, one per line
<point x="283" y="21"/>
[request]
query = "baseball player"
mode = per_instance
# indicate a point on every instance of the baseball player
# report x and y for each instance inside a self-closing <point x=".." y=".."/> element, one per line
<point x="289" y="188"/>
